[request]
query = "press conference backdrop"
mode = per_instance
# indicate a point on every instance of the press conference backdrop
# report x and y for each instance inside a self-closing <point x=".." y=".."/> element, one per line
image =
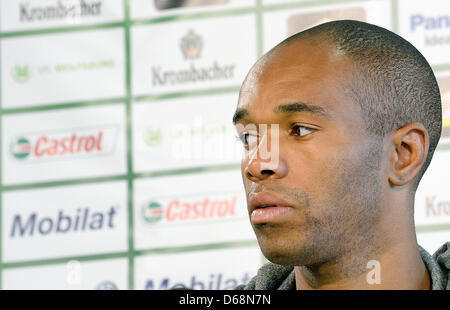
<point x="116" y="126"/>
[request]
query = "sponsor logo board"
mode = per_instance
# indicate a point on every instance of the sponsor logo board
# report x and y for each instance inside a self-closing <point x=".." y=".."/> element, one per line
<point x="427" y="27"/>
<point x="203" y="270"/>
<point x="190" y="210"/>
<point x="28" y="15"/>
<point x="279" y="25"/>
<point x="195" y="57"/>
<point x="56" y="71"/>
<point x="444" y="87"/>
<point x="63" y="144"/>
<point x="91" y="218"/>
<point x="73" y="275"/>
<point x="432" y="201"/>
<point x="153" y="8"/>
<point x="199" y="133"/>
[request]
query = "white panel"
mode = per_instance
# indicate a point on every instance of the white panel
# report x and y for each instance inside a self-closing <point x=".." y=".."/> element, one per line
<point x="187" y="132"/>
<point x="426" y="24"/>
<point x="192" y="55"/>
<point x="432" y="202"/>
<point x="65" y="67"/>
<point x="64" y="221"/>
<point x="279" y="25"/>
<point x="203" y="270"/>
<point x="29" y="15"/>
<point x="190" y="210"/>
<point x="70" y="276"/>
<point x="154" y="8"/>
<point x="63" y="144"/>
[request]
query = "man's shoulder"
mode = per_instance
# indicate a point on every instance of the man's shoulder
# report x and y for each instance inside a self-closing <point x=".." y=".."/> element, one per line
<point x="271" y="277"/>
<point x="442" y="271"/>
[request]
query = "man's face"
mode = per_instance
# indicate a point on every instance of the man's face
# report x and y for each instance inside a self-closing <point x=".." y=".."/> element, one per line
<point x="321" y="199"/>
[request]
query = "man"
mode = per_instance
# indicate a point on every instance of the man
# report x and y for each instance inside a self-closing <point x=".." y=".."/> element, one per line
<point x="355" y="112"/>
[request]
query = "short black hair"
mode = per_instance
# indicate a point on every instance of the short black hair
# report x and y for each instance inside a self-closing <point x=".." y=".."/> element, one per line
<point x="395" y="85"/>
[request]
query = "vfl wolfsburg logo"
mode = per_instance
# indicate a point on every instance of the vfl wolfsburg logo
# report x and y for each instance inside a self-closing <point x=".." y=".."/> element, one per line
<point x="152" y="212"/>
<point x="21" y="74"/>
<point x="21" y="148"/>
<point x="191" y="45"/>
<point x="153" y="137"/>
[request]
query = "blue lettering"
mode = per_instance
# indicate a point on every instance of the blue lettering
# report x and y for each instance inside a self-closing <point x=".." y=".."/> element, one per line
<point x="49" y="226"/>
<point x="62" y="218"/>
<point x="63" y="223"/>
<point x="416" y="20"/>
<point x="429" y="23"/>
<point x="17" y="222"/>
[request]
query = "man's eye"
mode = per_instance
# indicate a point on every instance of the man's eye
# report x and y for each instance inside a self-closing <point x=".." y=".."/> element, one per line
<point x="249" y="140"/>
<point x="299" y="130"/>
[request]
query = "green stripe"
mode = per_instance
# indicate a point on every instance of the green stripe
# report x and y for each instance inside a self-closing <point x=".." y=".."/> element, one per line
<point x="432" y="228"/>
<point x="114" y="255"/>
<point x="1" y="176"/>
<point x="107" y="101"/>
<point x="197" y="248"/>
<point x="441" y="67"/>
<point x="129" y="148"/>
<point x="259" y="30"/>
<point x="394" y="16"/>
<point x="80" y="181"/>
<point x="193" y="16"/>
<point x="56" y="30"/>
<point x="187" y="94"/>
<point x="68" y="105"/>
<point x="62" y="260"/>
<point x="443" y="147"/>
<point x="311" y="3"/>
<point x="191" y="170"/>
<point x="128" y="22"/>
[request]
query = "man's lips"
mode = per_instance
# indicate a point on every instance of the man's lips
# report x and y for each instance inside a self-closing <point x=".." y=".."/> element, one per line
<point x="265" y="207"/>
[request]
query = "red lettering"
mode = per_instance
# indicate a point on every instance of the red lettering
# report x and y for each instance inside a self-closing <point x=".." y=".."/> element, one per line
<point x="64" y="146"/>
<point x="37" y="149"/>
<point x="172" y="205"/>
<point x="197" y="209"/>
<point x="222" y="208"/>
<point x="53" y="149"/>
<point x="73" y="139"/>
<point x="98" y="145"/>
<point x="90" y="143"/>
<point x="80" y="144"/>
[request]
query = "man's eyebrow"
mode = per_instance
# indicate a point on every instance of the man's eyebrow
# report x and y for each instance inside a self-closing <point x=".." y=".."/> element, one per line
<point x="301" y="107"/>
<point x="239" y="114"/>
<point x="286" y="109"/>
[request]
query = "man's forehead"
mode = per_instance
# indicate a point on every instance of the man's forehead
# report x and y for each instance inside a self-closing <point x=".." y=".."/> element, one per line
<point x="295" y="69"/>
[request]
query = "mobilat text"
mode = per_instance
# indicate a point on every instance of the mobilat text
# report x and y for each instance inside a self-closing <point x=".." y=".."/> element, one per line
<point x="59" y="10"/>
<point x="83" y="220"/>
<point x="214" y="282"/>
<point x="177" y="210"/>
<point x="64" y="145"/>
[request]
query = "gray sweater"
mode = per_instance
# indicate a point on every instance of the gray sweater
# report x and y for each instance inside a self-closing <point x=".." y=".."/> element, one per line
<point x="277" y="277"/>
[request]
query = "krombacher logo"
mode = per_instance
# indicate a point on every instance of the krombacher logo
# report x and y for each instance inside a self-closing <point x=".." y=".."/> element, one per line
<point x="191" y="46"/>
<point x="30" y="11"/>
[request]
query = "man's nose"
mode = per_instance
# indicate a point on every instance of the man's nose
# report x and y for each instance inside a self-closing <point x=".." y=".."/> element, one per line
<point x="258" y="169"/>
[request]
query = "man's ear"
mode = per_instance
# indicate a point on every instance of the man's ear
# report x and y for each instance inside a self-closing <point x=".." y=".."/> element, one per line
<point x="408" y="151"/>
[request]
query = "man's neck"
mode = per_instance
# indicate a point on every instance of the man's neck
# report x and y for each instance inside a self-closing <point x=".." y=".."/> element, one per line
<point x="398" y="267"/>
